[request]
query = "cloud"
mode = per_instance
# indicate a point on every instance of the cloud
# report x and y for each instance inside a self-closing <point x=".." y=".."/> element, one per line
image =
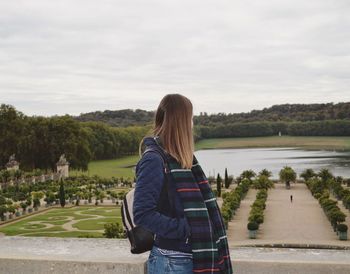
<point x="226" y="56"/>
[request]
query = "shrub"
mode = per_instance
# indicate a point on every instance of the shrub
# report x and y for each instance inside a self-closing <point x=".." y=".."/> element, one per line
<point x="256" y="213"/>
<point x="342" y="227"/>
<point x="232" y="200"/>
<point x="253" y="226"/>
<point x="257" y="217"/>
<point x="318" y="195"/>
<point x="113" y="230"/>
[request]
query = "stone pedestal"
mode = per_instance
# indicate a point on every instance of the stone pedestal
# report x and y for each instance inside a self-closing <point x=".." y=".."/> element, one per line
<point x="62" y="167"/>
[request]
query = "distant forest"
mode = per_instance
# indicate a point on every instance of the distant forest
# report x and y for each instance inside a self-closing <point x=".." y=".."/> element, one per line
<point x="39" y="141"/>
<point x="285" y="112"/>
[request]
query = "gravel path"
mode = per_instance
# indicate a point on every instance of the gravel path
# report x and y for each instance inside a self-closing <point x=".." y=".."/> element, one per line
<point x="301" y="222"/>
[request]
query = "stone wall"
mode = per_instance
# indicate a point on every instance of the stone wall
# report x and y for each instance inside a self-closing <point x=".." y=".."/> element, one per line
<point x="85" y="255"/>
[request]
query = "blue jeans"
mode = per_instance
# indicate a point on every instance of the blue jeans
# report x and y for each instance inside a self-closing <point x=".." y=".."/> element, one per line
<point x="157" y="263"/>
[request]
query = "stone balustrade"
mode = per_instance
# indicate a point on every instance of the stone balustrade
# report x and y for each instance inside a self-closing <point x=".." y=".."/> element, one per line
<point x="86" y="255"/>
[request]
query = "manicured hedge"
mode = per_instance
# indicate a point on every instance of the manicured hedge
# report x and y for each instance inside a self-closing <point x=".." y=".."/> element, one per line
<point x="256" y="214"/>
<point x="340" y="192"/>
<point x="232" y="200"/>
<point x="319" y="190"/>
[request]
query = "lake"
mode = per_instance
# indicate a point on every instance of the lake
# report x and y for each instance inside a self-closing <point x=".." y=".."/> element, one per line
<point x="214" y="161"/>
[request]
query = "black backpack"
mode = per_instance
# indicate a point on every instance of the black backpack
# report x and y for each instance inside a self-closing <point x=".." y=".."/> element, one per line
<point x="141" y="239"/>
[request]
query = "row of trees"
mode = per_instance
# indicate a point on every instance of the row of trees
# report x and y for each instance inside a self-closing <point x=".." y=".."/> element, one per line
<point x="247" y="179"/>
<point x="232" y="200"/>
<point x="284" y="112"/>
<point x="320" y="185"/>
<point x="267" y="128"/>
<point x="39" y="141"/>
<point x="256" y="214"/>
<point x="73" y="189"/>
<point x="220" y="183"/>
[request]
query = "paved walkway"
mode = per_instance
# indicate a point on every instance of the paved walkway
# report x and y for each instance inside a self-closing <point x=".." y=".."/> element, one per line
<point x="300" y="222"/>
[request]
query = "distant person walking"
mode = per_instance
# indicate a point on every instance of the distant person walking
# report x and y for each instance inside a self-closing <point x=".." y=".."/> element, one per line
<point x="291" y="198"/>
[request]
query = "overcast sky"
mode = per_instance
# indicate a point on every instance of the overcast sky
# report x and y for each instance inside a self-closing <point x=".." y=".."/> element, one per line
<point x="78" y="56"/>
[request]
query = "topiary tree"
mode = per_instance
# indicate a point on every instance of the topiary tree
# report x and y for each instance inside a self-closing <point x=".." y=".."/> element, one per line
<point x="262" y="182"/>
<point x="249" y="174"/>
<point x="226" y="180"/>
<point x="325" y="174"/>
<point x="102" y="196"/>
<point x="287" y="175"/>
<point x="50" y="197"/>
<point x="23" y="206"/>
<point x="11" y="209"/>
<point x="218" y="185"/>
<point x="253" y="226"/>
<point x="5" y="176"/>
<point x="3" y="210"/>
<point x="37" y="195"/>
<point x="18" y="173"/>
<point x="265" y="173"/>
<point x="307" y="174"/>
<point x="62" y="195"/>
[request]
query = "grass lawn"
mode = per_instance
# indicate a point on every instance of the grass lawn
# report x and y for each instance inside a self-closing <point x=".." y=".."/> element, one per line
<point x="121" y="167"/>
<point x="125" y="166"/>
<point x="85" y="221"/>
<point x="306" y="142"/>
<point x="96" y="224"/>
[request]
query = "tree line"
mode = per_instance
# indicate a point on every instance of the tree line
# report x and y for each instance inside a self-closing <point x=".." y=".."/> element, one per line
<point x="275" y="113"/>
<point x="266" y="128"/>
<point x="39" y="141"/>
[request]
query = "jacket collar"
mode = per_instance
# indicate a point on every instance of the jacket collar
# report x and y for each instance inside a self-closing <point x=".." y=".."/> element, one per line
<point x="152" y="140"/>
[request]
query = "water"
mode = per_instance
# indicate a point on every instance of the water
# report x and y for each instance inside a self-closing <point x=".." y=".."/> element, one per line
<point x="214" y="161"/>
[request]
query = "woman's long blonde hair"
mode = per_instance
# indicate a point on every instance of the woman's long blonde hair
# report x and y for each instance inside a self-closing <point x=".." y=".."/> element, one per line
<point x="173" y="124"/>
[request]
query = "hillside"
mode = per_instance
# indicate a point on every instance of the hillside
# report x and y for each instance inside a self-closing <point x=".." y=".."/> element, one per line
<point x="285" y="113"/>
<point x="118" y="118"/>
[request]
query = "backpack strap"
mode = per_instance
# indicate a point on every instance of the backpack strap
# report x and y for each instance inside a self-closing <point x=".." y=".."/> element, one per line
<point x="166" y="171"/>
<point x="162" y="154"/>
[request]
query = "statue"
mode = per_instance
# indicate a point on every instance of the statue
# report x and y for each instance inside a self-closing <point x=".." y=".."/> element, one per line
<point x="63" y="167"/>
<point x="12" y="163"/>
<point x="62" y="161"/>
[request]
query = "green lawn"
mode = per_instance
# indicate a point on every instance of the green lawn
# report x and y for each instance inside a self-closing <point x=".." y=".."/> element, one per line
<point x="125" y="166"/>
<point x="307" y="142"/>
<point x="87" y="221"/>
<point x="121" y="167"/>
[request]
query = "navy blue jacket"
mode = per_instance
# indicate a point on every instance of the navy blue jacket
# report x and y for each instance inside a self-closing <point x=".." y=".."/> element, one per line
<point x="169" y="225"/>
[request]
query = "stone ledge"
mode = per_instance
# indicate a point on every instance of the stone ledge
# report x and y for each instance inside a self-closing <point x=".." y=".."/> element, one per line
<point x="37" y="266"/>
<point x="26" y="266"/>
<point x="275" y="267"/>
<point x="299" y="246"/>
<point x="41" y="255"/>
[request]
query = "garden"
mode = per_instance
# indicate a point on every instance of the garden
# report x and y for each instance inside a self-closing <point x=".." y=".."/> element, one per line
<point x="82" y="221"/>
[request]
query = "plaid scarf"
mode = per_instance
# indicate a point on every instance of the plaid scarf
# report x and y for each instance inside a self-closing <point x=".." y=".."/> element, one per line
<point x="208" y="236"/>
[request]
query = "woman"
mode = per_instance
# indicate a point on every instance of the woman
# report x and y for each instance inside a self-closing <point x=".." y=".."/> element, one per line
<point x="189" y="235"/>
